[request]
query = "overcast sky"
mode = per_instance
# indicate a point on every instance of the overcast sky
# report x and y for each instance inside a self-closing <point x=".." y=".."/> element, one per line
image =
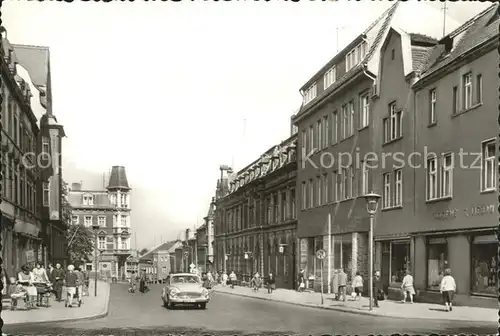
<point x="165" y="88"/>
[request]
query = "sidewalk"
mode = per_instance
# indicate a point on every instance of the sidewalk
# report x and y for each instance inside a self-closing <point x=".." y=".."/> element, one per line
<point x="92" y="307"/>
<point x="387" y="308"/>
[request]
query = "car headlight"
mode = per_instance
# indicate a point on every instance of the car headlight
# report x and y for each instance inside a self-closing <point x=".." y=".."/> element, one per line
<point x="174" y="292"/>
<point x="204" y="292"/>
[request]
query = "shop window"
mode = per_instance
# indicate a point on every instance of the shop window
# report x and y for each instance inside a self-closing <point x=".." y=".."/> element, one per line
<point x="484" y="265"/>
<point x="400" y="260"/>
<point x="437" y="262"/>
<point x="342" y="253"/>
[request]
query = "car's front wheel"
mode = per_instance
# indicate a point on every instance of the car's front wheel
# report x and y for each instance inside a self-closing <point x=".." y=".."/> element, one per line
<point x="203" y="305"/>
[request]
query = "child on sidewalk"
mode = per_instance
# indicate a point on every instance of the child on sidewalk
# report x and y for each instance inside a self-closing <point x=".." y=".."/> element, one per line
<point x="448" y="287"/>
<point x="271" y="283"/>
<point x="256" y="282"/>
<point x="15" y="291"/>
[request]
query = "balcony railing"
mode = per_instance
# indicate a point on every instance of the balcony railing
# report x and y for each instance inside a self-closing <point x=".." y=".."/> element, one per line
<point x="121" y="229"/>
<point x="121" y="251"/>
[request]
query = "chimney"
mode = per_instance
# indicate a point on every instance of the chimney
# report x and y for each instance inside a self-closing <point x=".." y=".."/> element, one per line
<point x="76" y="186"/>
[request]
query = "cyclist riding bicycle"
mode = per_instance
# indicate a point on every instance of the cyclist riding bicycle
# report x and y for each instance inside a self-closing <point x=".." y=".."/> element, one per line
<point x="133" y="281"/>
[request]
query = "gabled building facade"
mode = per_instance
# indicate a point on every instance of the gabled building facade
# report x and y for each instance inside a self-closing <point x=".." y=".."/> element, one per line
<point x="109" y="210"/>
<point x="255" y="226"/>
<point x="447" y="215"/>
<point x="157" y="263"/>
<point x="27" y="233"/>
<point x="338" y="154"/>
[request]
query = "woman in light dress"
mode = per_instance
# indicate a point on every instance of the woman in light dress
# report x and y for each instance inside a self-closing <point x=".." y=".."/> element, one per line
<point x="26" y="279"/>
<point x="407" y="287"/>
<point x="448" y="287"/>
<point x="357" y="285"/>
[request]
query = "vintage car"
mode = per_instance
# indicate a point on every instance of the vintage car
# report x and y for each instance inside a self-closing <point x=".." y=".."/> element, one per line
<point x="184" y="289"/>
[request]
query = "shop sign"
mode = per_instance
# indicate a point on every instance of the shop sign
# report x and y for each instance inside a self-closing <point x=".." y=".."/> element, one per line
<point x="468" y="212"/>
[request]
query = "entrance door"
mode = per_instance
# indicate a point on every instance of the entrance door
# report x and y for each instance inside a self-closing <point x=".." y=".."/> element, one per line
<point x="385" y="267"/>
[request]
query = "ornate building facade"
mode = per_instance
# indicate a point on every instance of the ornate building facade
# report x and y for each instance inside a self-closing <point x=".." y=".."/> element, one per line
<point x="255" y="217"/>
<point x="109" y="210"/>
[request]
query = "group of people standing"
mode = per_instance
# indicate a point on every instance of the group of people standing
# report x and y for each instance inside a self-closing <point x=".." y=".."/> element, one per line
<point x="36" y="284"/>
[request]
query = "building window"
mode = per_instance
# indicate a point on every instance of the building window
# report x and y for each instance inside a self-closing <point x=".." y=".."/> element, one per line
<point x="431" y="184"/>
<point x="326" y="131"/>
<point x="364" y="179"/>
<point x="326" y="193"/>
<point x="276" y="218"/>
<point x="344" y="124"/>
<point x="45" y="145"/>
<point x="269" y="213"/>
<point x="88" y="221"/>
<point x="467" y="91"/>
<point x="311" y="138"/>
<point x="447" y="176"/>
<point x="101" y="220"/>
<point x="319" y="131"/>
<point x="479" y="89"/>
<point x="46" y="194"/>
<point x="400" y="260"/>
<point x="102" y="243"/>
<point x="455" y="100"/>
<point x="352" y="177"/>
<point x="319" y="191"/>
<point x="392" y="124"/>
<point x="284" y="210"/>
<point x="74" y="220"/>
<point x="311" y="193"/>
<point x="304" y="196"/>
<point x="488" y="173"/>
<point x="437" y="262"/>
<point x="432" y="106"/>
<point x="484" y="265"/>
<point x="310" y="93"/>
<point x="351" y="118"/>
<point x="292" y="204"/>
<point x="398" y="181"/>
<point x="330" y="77"/>
<point x="124" y="245"/>
<point x="335" y="186"/>
<point x="355" y="56"/>
<point x="345" y="184"/>
<point x="386" y="199"/>
<point x="124" y="220"/>
<point x="88" y="200"/>
<point x="304" y="142"/>
<point x="364" y="111"/>
<point x="334" y="127"/>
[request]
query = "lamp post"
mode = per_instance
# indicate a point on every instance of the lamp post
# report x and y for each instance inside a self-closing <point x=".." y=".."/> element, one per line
<point x="95" y="227"/>
<point x="371" y="206"/>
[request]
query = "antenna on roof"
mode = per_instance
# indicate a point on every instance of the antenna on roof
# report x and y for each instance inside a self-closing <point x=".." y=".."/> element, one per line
<point x="444" y="9"/>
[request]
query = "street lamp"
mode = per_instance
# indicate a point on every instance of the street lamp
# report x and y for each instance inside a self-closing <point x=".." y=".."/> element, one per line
<point x="371" y="207"/>
<point x="95" y="227"/>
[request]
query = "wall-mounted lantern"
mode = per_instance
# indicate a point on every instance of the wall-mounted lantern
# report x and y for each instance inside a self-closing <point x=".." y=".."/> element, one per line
<point x="282" y="248"/>
<point x="248" y="255"/>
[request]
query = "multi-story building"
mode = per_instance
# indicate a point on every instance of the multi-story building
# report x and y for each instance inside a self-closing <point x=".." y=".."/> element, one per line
<point x="31" y="215"/>
<point x="202" y="248"/>
<point x="439" y="210"/>
<point x="109" y="210"/>
<point x="157" y="262"/>
<point x="336" y="138"/>
<point x="255" y="225"/>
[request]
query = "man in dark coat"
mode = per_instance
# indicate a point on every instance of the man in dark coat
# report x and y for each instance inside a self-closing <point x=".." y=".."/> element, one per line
<point x="377" y="288"/>
<point x="58" y="276"/>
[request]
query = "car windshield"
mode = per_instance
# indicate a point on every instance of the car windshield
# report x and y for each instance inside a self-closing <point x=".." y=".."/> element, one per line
<point x="185" y="279"/>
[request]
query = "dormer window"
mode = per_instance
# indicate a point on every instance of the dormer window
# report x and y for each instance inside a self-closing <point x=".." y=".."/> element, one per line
<point x="330" y="77"/>
<point x="355" y="56"/>
<point x="88" y="200"/>
<point x="310" y="93"/>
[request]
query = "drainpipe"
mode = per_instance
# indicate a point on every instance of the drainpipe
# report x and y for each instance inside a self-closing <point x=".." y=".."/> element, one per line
<point x="366" y="74"/>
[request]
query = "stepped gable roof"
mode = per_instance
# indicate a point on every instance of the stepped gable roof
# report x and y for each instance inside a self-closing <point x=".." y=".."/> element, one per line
<point x="402" y="16"/>
<point x="476" y="31"/>
<point x="167" y="246"/>
<point x="118" y="178"/>
<point x="273" y="159"/>
<point x="101" y="200"/>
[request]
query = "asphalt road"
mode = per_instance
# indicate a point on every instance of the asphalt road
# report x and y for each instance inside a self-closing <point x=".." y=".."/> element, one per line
<point x="137" y="314"/>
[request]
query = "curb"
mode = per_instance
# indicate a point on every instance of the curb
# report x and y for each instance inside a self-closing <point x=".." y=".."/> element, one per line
<point x="349" y="311"/>
<point x="102" y="314"/>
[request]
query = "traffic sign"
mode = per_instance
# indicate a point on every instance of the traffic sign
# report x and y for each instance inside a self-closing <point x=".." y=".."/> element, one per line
<point x="192" y="266"/>
<point x="320" y="254"/>
<point x="186" y="254"/>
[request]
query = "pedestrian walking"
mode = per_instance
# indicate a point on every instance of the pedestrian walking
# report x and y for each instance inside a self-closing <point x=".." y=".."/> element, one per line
<point x="142" y="282"/>
<point x="41" y="282"/>
<point x="210" y="278"/>
<point x="407" y="287"/>
<point x="224" y="279"/>
<point x="357" y="284"/>
<point x="301" y="281"/>
<point x="57" y="280"/>
<point x="71" y="283"/>
<point x="335" y="284"/>
<point x="26" y="279"/>
<point x="342" y="285"/>
<point x="79" y="283"/>
<point x="232" y="279"/>
<point x="133" y="282"/>
<point x="271" y="283"/>
<point x="378" y="292"/>
<point x="256" y="282"/>
<point x="448" y="288"/>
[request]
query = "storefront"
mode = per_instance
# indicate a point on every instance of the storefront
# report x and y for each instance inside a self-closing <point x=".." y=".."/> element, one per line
<point x="395" y="261"/>
<point x="484" y="249"/>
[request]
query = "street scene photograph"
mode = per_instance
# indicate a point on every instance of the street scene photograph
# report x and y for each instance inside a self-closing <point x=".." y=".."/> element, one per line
<point x="249" y="167"/>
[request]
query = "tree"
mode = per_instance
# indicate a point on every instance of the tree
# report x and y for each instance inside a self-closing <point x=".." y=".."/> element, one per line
<point x="80" y="238"/>
<point x="143" y="251"/>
